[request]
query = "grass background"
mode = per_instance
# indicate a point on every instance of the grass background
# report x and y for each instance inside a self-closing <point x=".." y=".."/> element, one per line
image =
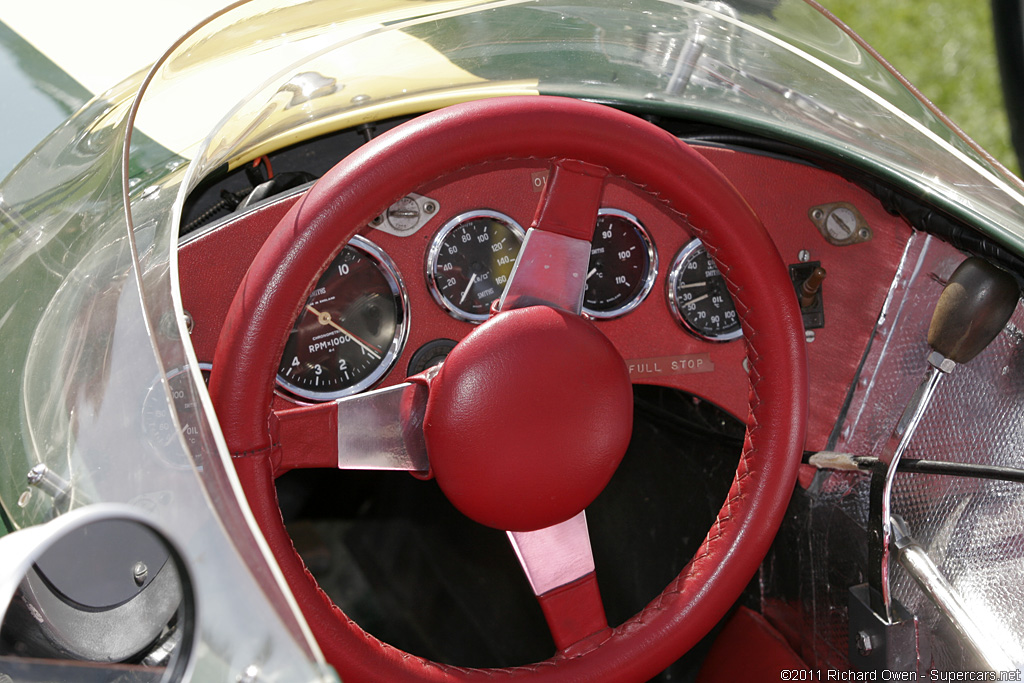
<point x="946" y="49"/>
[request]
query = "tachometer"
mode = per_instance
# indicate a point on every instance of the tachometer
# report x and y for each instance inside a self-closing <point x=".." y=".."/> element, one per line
<point x="623" y="265"/>
<point x="351" y="329"/>
<point x="470" y="260"/>
<point x="698" y="296"/>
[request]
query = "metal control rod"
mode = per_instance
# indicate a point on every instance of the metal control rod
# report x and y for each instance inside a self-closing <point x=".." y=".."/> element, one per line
<point x="845" y="461"/>
<point x="885" y="476"/>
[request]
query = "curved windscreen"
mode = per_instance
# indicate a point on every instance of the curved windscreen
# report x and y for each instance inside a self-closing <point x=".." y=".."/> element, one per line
<point x="776" y="67"/>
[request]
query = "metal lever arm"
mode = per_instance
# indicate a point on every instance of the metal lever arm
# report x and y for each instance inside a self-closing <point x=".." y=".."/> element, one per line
<point x="973" y="308"/>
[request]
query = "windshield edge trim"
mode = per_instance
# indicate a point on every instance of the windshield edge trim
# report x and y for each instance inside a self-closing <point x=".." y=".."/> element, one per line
<point x="309" y="640"/>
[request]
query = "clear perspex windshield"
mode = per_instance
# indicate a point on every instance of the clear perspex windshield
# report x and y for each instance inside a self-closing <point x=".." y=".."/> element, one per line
<point x="99" y="382"/>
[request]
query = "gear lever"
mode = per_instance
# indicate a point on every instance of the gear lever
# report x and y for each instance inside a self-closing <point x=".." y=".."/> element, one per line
<point x="975" y="305"/>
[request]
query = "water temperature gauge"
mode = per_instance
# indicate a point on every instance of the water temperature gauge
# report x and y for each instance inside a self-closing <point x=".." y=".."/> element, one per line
<point x="623" y="265"/>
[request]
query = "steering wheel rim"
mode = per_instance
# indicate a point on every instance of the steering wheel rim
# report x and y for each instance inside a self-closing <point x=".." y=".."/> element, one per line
<point x="357" y="189"/>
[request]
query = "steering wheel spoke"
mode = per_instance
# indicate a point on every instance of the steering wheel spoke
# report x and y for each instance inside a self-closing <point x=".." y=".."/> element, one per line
<point x="552" y="265"/>
<point x="559" y="564"/>
<point x="376" y="430"/>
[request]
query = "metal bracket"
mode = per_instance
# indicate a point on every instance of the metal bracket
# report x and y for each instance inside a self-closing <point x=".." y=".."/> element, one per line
<point x="877" y="644"/>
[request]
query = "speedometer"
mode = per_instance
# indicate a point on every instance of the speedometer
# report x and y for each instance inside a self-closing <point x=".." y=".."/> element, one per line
<point x="698" y="296"/>
<point x="351" y="329"/>
<point x="470" y="260"/>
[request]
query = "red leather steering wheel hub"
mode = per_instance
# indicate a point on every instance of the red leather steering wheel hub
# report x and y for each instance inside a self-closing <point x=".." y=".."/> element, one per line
<point x="528" y="418"/>
<point x="562" y="132"/>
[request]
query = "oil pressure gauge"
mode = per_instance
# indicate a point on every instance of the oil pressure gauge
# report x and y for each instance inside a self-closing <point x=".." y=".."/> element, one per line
<point x="698" y="296"/>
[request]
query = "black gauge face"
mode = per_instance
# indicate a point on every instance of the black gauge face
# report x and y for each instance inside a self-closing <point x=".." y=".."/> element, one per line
<point x="470" y="261"/>
<point x="351" y="329"/>
<point x="698" y="296"/>
<point x="622" y="265"/>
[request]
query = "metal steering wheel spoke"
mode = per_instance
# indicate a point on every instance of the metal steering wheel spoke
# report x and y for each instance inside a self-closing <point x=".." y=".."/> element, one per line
<point x="552" y="270"/>
<point x="552" y="265"/>
<point x="376" y="430"/>
<point x="383" y="429"/>
<point x="559" y="564"/>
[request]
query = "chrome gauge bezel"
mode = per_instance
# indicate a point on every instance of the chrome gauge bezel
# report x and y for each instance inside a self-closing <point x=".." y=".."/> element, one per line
<point x="394" y="279"/>
<point x="433" y="252"/>
<point x="650" y="277"/>
<point x="675" y="271"/>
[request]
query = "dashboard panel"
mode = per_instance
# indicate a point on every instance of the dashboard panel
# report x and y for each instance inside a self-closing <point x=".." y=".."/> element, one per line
<point x="638" y="303"/>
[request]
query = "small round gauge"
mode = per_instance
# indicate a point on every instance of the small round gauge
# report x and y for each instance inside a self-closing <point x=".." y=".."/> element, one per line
<point x="470" y="260"/>
<point x="351" y="329"/>
<point x="623" y="265"/>
<point x="698" y="296"/>
<point x="158" y="425"/>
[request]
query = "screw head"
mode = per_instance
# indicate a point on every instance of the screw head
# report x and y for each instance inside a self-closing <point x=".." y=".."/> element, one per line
<point x="865" y="643"/>
<point x="36" y="474"/>
<point x="139" y="572"/>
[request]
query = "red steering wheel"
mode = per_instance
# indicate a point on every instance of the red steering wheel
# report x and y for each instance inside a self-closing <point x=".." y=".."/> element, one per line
<point x="557" y="462"/>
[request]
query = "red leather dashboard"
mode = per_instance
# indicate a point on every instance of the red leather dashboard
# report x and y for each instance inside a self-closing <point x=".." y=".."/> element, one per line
<point x="657" y="349"/>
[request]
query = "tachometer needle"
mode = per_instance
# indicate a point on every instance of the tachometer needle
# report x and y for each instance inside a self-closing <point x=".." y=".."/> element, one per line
<point x="466" y="291"/>
<point x="324" y="318"/>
